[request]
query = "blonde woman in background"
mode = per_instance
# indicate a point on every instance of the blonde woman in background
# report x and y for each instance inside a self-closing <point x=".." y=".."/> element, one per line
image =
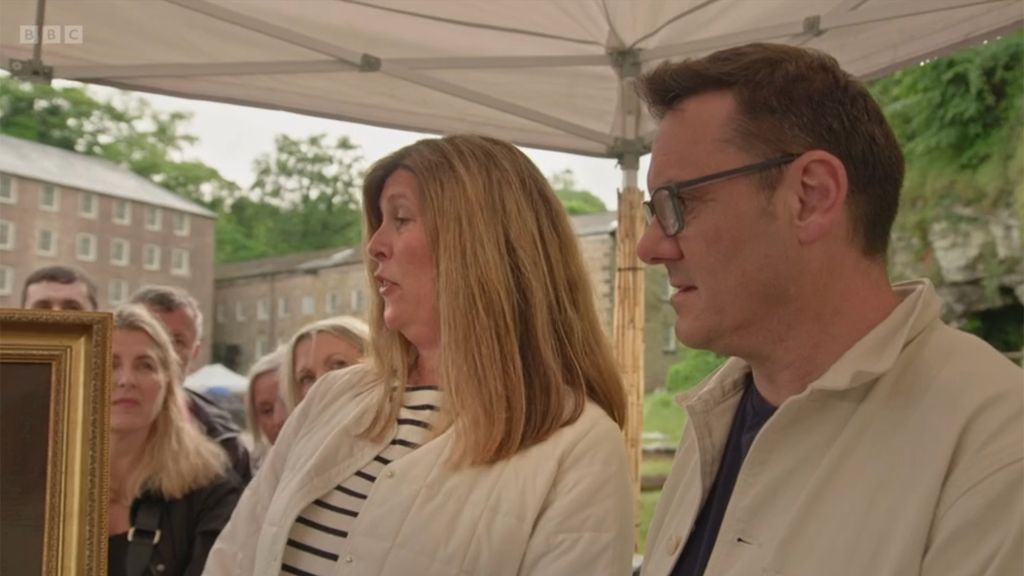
<point x="483" y="437"/>
<point x="265" y="406"/>
<point x="318" y="348"/>
<point x="171" y="489"/>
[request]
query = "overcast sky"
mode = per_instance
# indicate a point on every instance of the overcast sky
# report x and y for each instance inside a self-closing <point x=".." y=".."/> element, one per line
<point x="231" y="137"/>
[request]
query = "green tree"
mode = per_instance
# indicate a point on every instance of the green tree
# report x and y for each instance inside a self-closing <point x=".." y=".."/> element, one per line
<point x="575" y="199"/>
<point x="693" y="367"/>
<point x="304" y="198"/>
<point x="128" y="132"/>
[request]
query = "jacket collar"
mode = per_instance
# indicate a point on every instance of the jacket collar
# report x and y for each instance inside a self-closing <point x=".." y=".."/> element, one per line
<point x="872" y="356"/>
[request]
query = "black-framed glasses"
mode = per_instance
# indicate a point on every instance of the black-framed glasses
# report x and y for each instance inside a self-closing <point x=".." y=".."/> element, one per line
<point x="666" y="204"/>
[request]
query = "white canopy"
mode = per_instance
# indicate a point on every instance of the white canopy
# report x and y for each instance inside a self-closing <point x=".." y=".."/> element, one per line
<point x="540" y="73"/>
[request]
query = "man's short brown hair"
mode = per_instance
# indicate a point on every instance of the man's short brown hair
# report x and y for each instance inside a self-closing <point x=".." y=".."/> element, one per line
<point x="169" y="299"/>
<point x="60" y="275"/>
<point x="790" y="100"/>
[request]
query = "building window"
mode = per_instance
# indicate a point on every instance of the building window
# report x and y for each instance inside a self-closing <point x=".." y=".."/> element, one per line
<point x="182" y="224"/>
<point x="240" y="311"/>
<point x="6" y="235"/>
<point x="331" y="306"/>
<point x="117" y="292"/>
<point x="122" y="212"/>
<point x="8" y="190"/>
<point x="151" y="257"/>
<point x="671" y="343"/>
<point x="120" y="252"/>
<point x="154" y="218"/>
<point x="85" y="247"/>
<point x="221" y="314"/>
<point x="87" y="205"/>
<point x="261" y="346"/>
<point x="46" y="242"/>
<point x="49" y="198"/>
<point x="357" y="300"/>
<point x="308" y="306"/>
<point x="262" y="309"/>
<point x="179" y="262"/>
<point x="282" y="307"/>
<point x="6" y="280"/>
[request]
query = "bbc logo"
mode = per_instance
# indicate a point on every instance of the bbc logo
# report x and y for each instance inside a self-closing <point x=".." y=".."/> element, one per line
<point x="52" y="34"/>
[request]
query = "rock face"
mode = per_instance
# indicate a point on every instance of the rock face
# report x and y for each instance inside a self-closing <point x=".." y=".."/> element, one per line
<point x="975" y="261"/>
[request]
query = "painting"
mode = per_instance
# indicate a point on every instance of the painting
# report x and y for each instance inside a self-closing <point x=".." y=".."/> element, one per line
<point x="54" y="445"/>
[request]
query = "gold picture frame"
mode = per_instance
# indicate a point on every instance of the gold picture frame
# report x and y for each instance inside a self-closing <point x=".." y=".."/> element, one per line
<point x="55" y="373"/>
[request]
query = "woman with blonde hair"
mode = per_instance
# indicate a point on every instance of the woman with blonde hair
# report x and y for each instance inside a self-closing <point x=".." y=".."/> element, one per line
<point x="318" y="348"/>
<point x="484" y="434"/>
<point x="171" y="490"/>
<point x="264" y="404"/>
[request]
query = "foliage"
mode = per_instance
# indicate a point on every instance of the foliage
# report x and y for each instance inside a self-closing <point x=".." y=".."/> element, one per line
<point x="128" y="132"/>
<point x="663" y="416"/>
<point x="575" y="199"/>
<point x="693" y="367"/>
<point x="304" y="198"/>
<point x="959" y="121"/>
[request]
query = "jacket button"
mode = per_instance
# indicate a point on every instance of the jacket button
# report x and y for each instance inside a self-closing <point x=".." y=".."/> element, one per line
<point x="160" y="567"/>
<point x="390" y="473"/>
<point x="348" y="559"/>
<point x="672" y="546"/>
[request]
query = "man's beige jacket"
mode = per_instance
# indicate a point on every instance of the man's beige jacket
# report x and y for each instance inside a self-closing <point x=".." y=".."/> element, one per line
<point x="904" y="459"/>
<point x="559" y="508"/>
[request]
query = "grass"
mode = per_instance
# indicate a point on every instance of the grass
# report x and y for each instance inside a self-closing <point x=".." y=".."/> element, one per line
<point x="662" y="416"/>
<point x="647" y="502"/>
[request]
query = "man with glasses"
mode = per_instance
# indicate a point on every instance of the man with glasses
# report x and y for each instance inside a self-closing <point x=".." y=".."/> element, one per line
<point x="851" y="432"/>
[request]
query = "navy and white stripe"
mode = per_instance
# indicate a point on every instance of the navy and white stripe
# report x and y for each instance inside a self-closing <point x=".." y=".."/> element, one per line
<point x="319" y="535"/>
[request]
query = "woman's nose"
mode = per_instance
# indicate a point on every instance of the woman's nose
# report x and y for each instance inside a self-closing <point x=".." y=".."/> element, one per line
<point x="377" y="246"/>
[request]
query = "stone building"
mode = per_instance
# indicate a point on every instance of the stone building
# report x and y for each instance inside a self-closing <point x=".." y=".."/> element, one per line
<point x="59" y="207"/>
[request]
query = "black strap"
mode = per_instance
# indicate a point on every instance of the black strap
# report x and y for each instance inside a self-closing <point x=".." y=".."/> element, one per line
<point x="142" y="537"/>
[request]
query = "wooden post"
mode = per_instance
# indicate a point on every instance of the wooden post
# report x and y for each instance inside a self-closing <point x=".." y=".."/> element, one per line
<point x="629" y="330"/>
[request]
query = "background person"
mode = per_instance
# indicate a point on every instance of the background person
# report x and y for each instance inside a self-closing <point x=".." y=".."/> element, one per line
<point x="483" y="436"/>
<point x="264" y="405"/>
<point x="852" y="432"/>
<point x="318" y="348"/>
<point x="179" y="312"/>
<point x="59" y="288"/>
<point x="164" y="474"/>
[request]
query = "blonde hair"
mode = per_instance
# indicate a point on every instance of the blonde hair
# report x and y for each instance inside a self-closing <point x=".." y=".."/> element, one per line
<point x="348" y="328"/>
<point x="267" y="363"/>
<point x="522" y="345"/>
<point x="178" y="457"/>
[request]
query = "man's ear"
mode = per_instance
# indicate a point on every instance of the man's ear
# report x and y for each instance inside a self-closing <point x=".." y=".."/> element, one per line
<point x="818" y="201"/>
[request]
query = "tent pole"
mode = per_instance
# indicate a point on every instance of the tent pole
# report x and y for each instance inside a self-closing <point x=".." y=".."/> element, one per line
<point x="629" y="272"/>
<point x="629" y="318"/>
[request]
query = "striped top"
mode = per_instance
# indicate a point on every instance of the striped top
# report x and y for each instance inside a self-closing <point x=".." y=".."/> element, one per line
<point x="319" y="536"/>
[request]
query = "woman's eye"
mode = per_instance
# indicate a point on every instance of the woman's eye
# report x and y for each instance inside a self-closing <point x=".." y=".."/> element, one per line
<point x="337" y="365"/>
<point x="306" y="379"/>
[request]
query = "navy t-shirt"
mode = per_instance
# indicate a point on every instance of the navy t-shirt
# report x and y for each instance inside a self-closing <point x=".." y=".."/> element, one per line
<point x="751" y="414"/>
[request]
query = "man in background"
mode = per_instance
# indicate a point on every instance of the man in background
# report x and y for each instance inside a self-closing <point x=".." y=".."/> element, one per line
<point x="180" y="314"/>
<point x="59" y="288"/>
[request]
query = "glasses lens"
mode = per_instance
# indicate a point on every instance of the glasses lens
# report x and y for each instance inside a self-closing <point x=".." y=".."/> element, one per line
<point x="666" y="209"/>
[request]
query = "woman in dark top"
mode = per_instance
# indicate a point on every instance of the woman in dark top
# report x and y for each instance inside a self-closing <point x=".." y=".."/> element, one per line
<point x="171" y="490"/>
